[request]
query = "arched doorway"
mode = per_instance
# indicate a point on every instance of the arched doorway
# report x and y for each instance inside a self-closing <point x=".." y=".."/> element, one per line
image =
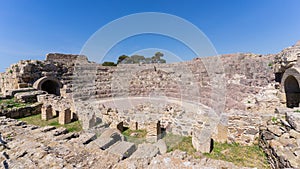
<point x="51" y="87"/>
<point x="292" y="91"/>
<point x="49" y="84"/>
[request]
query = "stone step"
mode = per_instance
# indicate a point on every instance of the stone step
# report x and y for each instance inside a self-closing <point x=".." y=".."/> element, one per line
<point x="104" y="143"/>
<point x="85" y="138"/>
<point x="146" y="150"/>
<point x="122" y="149"/>
<point x="67" y="136"/>
<point x="47" y="128"/>
<point x="108" y="137"/>
<point x="59" y="131"/>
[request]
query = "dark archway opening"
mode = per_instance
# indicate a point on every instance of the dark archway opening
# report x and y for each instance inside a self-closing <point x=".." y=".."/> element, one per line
<point x="51" y="87"/>
<point x="278" y="77"/>
<point x="292" y="92"/>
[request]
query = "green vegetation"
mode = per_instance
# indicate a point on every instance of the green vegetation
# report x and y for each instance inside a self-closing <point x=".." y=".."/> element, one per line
<point x="37" y="120"/>
<point x="298" y="111"/>
<point x="121" y="58"/>
<point x="270" y="64"/>
<point x="109" y="64"/>
<point x="177" y="142"/>
<point x="10" y="71"/>
<point x="274" y="119"/>
<point x="135" y="136"/>
<point x="248" y="156"/>
<point x="249" y="102"/>
<point x="12" y="103"/>
<point x="134" y="59"/>
<point x="137" y="59"/>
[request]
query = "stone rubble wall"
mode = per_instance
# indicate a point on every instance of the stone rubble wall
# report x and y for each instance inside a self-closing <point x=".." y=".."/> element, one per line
<point x="22" y="111"/>
<point x="280" y="139"/>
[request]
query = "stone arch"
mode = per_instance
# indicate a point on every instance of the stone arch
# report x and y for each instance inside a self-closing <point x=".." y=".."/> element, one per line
<point x="291" y="88"/>
<point x="49" y="84"/>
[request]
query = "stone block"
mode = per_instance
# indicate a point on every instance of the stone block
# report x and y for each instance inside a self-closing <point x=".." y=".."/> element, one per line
<point x="294" y="119"/>
<point x="47" y="128"/>
<point x="275" y="130"/>
<point x="162" y="146"/>
<point x="295" y="134"/>
<point x="105" y="143"/>
<point x="145" y="150"/>
<point x="221" y="133"/>
<point x="85" y="138"/>
<point x="122" y="149"/>
<point x="60" y="131"/>
<point x="201" y="140"/>
<point x="46" y="112"/>
<point x="64" y="117"/>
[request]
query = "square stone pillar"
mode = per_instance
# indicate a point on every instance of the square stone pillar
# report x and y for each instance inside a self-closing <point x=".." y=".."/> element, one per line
<point x="46" y="112"/>
<point x="201" y="139"/>
<point x="153" y="131"/>
<point x="64" y="117"/>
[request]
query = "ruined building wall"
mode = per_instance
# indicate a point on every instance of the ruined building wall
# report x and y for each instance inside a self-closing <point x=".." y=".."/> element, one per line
<point x="246" y="75"/>
<point x="26" y="72"/>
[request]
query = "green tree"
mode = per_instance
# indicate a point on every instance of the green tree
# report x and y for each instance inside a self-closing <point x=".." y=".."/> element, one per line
<point x="157" y="58"/>
<point x="134" y="59"/>
<point x="121" y="58"/>
<point x="109" y="64"/>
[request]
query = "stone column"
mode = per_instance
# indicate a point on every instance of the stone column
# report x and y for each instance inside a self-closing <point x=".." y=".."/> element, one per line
<point x="46" y="112"/>
<point x="64" y="117"/>
<point x="201" y="139"/>
<point x="153" y="131"/>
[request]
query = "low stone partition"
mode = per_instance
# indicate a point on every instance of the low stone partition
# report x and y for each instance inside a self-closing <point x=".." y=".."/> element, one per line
<point x="23" y="111"/>
<point x="281" y="140"/>
<point x="30" y="96"/>
<point x="54" y="106"/>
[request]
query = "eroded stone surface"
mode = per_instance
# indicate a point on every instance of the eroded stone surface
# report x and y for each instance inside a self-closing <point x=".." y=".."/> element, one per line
<point x="294" y="119"/>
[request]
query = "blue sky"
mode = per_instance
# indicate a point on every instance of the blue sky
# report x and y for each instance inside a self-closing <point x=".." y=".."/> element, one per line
<point x="31" y="28"/>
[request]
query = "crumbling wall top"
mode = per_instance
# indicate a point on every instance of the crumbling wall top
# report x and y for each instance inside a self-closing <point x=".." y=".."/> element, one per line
<point x="66" y="58"/>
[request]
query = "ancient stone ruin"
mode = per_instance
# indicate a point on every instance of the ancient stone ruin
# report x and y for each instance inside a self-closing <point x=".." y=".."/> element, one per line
<point x="250" y="99"/>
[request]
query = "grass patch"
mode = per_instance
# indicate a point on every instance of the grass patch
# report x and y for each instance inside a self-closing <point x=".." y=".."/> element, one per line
<point x="247" y="156"/>
<point x="37" y="120"/>
<point x="12" y="103"/>
<point x="135" y="136"/>
<point x="177" y="142"/>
